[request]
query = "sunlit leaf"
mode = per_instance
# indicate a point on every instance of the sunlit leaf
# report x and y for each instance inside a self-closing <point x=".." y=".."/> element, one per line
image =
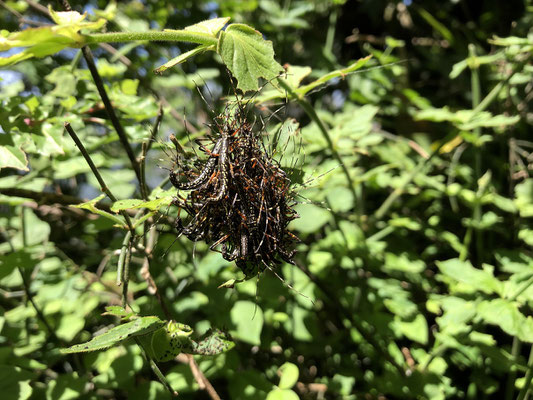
<point x="47" y="40"/>
<point x="210" y="26"/>
<point x="247" y="55"/>
<point x="91" y="206"/>
<point x="138" y="327"/>
<point x="13" y="157"/>
<point x="289" y="375"/>
<point x="182" y="58"/>
<point x="248" y="320"/>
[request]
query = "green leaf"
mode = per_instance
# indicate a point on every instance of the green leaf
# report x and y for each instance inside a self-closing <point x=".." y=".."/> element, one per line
<point x="66" y="387"/>
<point x="485" y="120"/>
<point x="247" y="55"/>
<point x="289" y="375"/>
<point x="125" y="204"/>
<point x="91" y="206"/>
<point x="524" y="198"/>
<point x="340" y="199"/>
<point x="214" y="342"/>
<point x="166" y="343"/>
<point x="475" y="62"/>
<point x="47" y="40"/>
<point x="506" y="315"/>
<point x="437" y="25"/>
<point x="334" y="74"/>
<point x="17" y="259"/>
<point x="282" y="394"/>
<point x="473" y="279"/>
<point x="118" y="311"/>
<point x="416" y="330"/>
<point x="153" y="205"/>
<point x="13" y="157"/>
<point x="248" y="320"/>
<point x="183" y="57"/>
<point x="403" y="263"/>
<point x="511" y="41"/>
<point x="15" y="383"/>
<point x="138" y="327"/>
<point x="210" y="26"/>
<point x="312" y="218"/>
<point x="69" y="326"/>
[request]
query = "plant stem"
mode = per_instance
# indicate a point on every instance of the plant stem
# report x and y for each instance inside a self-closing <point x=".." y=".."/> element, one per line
<point x="156" y="369"/>
<point x="509" y="387"/>
<point x="25" y="281"/>
<point x="301" y="91"/>
<point x="95" y="171"/>
<point x="201" y="379"/>
<point x="526" y="285"/>
<point x="527" y="380"/>
<point x="87" y="157"/>
<point x="168" y="35"/>
<point x="310" y="111"/>
<point x="88" y="55"/>
<point x="144" y="150"/>
<point x="476" y="97"/>
<point x="384" y="208"/>
<point x="126" y="275"/>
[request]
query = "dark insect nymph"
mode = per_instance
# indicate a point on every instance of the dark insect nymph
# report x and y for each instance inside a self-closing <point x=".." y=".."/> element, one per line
<point x="240" y="201"/>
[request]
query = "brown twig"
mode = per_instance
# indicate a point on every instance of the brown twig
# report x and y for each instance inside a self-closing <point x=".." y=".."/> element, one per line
<point x="110" y="49"/>
<point x="38" y="7"/>
<point x="203" y="382"/>
<point x="46" y="198"/>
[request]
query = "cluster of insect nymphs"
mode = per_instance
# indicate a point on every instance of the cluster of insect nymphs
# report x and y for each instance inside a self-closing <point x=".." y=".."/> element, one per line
<point x="240" y="201"/>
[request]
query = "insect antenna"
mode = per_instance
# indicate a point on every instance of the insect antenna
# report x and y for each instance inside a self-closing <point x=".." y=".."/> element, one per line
<point x="287" y="284"/>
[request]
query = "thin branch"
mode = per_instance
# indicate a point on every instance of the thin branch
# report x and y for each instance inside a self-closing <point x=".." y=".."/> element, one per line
<point x="157" y="125"/>
<point x="88" y="55"/>
<point x="524" y="392"/>
<point x="199" y="376"/>
<point x="145" y="271"/>
<point x="142" y="163"/>
<point x="310" y="111"/>
<point x="95" y="171"/>
<point x="144" y="150"/>
<point x="156" y="369"/>
<point x="110" y="49"/>
<point x="25" y="281"/>
<point x="40" y="314"/>
<point x="47" y="198"/>
<point x="103" y="186"/>
<point x="38" y="7"/>
<point x="122" y="258"/>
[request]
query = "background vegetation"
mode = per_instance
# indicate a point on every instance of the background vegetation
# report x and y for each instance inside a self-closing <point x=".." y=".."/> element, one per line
<point x="416" y="224"/>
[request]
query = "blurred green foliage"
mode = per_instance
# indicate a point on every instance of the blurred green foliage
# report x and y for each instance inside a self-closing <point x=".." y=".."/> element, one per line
<point x="416" y="205"/>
